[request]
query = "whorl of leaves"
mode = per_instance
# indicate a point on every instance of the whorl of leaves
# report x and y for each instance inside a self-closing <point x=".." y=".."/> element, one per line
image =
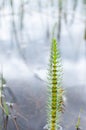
<point x="55" y="91"/>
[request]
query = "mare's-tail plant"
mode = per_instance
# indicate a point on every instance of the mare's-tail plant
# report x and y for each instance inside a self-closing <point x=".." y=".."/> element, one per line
<point x="6" y="107"/>
<point x="78" y="121"/>
<point x="55" y="101"/>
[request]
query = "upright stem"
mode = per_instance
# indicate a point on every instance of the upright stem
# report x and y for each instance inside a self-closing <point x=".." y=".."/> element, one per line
<point x="55" y="102"/>
<point x="54" y="98"/>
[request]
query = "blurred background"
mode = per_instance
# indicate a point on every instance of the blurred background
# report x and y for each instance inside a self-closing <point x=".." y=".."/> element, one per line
<point x="26" y="28"/>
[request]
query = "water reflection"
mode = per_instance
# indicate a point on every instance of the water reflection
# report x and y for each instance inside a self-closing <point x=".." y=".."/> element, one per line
<point x="25" y="31"/>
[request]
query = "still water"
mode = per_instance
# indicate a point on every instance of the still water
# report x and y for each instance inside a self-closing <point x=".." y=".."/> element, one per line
<point x="25" y="32"/>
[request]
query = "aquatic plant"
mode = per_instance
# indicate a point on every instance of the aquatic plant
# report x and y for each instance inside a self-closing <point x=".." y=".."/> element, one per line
<point x="3" y="102"/>
<point x="6" y="106"/>
<point x="55" y="91"/>
<point x="78" y="121"/>
<point x="3" y="105"/>
<point x="78" y="124"/>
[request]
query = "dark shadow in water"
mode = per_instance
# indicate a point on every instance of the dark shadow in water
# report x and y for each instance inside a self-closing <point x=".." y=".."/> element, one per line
<point x="30" y="106"/>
